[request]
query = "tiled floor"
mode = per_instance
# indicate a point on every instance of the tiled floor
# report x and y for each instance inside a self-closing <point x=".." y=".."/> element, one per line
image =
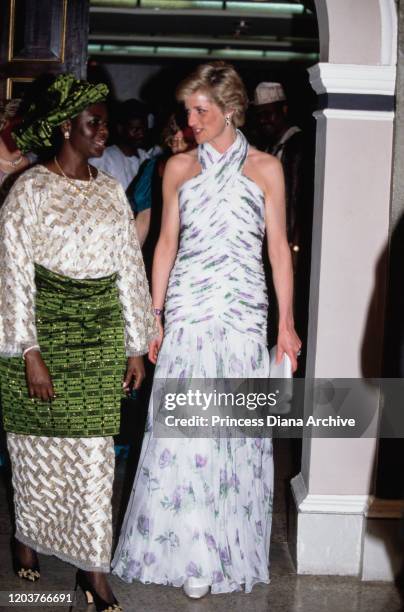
<point x="286" y="593"/>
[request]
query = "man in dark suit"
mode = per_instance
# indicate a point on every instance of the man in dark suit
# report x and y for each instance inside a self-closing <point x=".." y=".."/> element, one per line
<point x="286" y="141"/>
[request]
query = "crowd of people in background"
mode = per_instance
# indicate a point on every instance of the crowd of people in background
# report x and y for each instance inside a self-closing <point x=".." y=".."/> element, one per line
<point x="136" y="157"/>
<point x="137" y="153"/>
<point x="85" y="247"/>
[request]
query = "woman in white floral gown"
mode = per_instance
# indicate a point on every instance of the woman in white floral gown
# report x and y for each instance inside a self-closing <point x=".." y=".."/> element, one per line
<point x="200" y="511"/>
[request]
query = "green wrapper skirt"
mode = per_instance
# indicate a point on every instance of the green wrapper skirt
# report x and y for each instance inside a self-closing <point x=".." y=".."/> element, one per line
<point x="81" y="333"/>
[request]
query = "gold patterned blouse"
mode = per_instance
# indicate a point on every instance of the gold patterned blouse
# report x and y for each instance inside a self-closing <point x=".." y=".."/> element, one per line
<point x="76" y="228"/>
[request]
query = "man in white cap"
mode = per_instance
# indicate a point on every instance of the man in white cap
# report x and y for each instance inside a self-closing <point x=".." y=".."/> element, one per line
<point x="285" y="141"/>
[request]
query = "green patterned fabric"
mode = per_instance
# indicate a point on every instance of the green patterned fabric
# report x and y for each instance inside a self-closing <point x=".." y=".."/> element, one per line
<point x="81" y="333"/>
<point x="64" y="99"/>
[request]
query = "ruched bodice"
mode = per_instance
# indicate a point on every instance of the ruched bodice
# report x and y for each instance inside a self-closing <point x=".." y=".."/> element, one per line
<point x="218" y="273"/>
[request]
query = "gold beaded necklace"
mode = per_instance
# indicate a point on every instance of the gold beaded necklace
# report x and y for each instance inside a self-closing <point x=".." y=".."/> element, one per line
<point x="81" y="189"/>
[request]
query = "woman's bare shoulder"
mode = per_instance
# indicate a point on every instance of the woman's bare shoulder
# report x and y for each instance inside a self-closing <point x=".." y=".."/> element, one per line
<point x="182" y="166"/>
<point x="182" y="160"/>
<point x="263" y="169"/>
<point x="263" y="160"/>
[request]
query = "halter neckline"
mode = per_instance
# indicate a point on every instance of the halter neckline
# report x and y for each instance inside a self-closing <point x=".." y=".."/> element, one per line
<point x="236" y="153"/>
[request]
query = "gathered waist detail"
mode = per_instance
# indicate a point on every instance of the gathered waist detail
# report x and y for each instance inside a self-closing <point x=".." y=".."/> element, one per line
<point x="52" y="282"/>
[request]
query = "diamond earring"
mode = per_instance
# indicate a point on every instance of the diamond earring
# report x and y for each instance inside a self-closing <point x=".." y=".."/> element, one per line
<point x="66" y="135"/>
<point x="228" y="120"/>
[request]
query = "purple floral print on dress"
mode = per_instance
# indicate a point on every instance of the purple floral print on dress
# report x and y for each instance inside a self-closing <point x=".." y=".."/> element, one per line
<point x="200" y="461"/>
<point x="165" y="458"/>
<point x="143" y="525"/>
<point x="204" y="509"/>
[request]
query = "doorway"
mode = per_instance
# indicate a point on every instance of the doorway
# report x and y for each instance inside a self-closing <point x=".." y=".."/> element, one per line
<point x="143" y="50"/>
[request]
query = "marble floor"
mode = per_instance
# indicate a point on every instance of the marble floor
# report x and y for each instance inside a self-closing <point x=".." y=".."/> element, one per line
<point x="286" y="593"/>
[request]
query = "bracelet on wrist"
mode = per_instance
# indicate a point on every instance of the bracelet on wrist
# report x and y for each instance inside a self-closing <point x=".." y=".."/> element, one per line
<point x="35" y="347"/>
<point x="158" y="312"/>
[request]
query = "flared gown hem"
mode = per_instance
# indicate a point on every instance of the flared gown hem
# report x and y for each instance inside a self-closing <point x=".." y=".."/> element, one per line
<point x="179" y="583"/>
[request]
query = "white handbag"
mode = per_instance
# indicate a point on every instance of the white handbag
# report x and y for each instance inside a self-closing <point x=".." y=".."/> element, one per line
<point x="279" y="370"/>
<point x="282" y="370"/>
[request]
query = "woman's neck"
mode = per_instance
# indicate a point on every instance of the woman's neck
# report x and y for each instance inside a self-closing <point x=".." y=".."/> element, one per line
<point x="73" y="164"/>
<point x="224" y="141"/>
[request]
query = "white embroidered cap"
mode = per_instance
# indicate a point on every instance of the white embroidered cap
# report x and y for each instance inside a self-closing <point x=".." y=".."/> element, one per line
<point x="267" y="93"/>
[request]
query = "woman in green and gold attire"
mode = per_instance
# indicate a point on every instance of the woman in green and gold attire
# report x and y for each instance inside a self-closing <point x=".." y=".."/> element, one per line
<point x="75" y="321"/>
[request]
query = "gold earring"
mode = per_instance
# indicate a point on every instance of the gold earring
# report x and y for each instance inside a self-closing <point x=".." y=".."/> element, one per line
<point x="67" y="135"/>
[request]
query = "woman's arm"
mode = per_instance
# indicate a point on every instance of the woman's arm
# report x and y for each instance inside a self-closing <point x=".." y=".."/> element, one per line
<point x="17" y="287"/>
<point x="280" y="258"/>
<point x="139" y="194"/>
<point x="134" y="295"/>
<point x="143" y="225"/>
<point x="167" y="244"/>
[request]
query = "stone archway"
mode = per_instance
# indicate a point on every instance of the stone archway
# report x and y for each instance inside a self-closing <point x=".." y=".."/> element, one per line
<point x="355" y="82"/>
<point x="357" y="32"/>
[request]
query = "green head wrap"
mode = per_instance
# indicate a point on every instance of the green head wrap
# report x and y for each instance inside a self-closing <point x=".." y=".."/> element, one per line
<point x="64" y="99"/>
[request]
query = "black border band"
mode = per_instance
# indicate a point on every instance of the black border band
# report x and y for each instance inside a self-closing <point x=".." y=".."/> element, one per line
<point x="363" y="102"/>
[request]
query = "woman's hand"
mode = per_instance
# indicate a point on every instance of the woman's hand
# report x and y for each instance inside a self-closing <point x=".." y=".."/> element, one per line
<point x="39" y="380"/>
<point x="155" y="344"/>
<point x="134" y="371"/>
<point x="289" y="343"/>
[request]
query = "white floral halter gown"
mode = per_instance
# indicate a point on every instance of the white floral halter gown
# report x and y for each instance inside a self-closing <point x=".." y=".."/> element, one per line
<point x="203" y="507"/>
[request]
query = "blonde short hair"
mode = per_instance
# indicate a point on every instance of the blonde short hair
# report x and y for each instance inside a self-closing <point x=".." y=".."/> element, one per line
<point x="221" y="82"/>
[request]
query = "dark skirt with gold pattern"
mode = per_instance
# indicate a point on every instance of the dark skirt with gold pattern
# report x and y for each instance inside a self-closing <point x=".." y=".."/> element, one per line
<point x="81" y="333"/>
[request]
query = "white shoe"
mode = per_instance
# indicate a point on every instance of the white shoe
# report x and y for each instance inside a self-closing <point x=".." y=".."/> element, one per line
<point x="196" y="587"/>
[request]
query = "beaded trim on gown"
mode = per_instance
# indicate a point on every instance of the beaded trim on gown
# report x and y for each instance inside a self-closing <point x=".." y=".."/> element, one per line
<point x="203" y="507"/>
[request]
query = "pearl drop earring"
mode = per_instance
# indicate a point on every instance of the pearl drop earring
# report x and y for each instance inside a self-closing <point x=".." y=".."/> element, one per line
<point x="66" y="135"/>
